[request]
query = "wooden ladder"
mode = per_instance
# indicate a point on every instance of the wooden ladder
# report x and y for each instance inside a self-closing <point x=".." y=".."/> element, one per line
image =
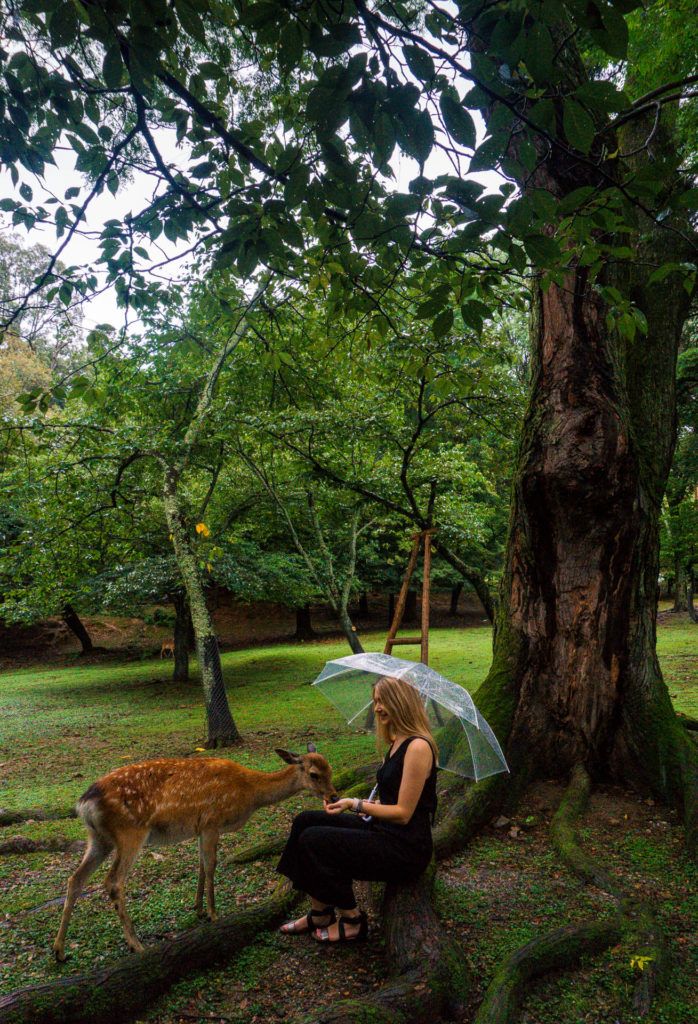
<point x="418" y="540"/>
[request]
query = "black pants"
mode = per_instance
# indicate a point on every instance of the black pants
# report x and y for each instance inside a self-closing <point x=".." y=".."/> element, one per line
<point x="326" y="851"/>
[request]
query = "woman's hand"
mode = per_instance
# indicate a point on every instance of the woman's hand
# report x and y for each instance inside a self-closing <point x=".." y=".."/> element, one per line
<point x="345" y="804"/>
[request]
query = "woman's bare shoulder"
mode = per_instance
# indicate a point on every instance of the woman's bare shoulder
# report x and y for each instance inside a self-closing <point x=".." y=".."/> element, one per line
<point x="419" y="749"/>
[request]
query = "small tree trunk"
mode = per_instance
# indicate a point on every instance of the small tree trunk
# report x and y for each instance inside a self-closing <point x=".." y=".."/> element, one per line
<point x="349" y="630"/>
<point x="693" y="614"/>
<point x="221" y="729"/>
<point x="304" y="627"/>
<point x="680" y="602"/>
<point x="180" y="672"/>
<point x="455" y="594"/>
<point x="76" y="626"/>
<point x="363" y="604"/>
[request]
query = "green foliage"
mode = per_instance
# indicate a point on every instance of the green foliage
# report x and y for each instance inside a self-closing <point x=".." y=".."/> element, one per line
<point x="295" y="158"/>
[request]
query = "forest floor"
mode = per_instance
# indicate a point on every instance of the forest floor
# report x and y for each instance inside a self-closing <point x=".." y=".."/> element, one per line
<point x="61" y="729"/>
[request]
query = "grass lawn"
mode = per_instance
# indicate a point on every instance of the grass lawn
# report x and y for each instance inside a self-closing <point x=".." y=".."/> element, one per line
<point x="59" y="730"/>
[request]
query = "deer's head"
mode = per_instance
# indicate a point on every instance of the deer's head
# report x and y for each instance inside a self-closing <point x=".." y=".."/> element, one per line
<point x="315" y="772"/>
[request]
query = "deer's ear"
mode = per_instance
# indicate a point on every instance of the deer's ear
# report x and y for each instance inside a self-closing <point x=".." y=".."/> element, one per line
<point x="288" y="757"/>
<point x="312" y="749"/>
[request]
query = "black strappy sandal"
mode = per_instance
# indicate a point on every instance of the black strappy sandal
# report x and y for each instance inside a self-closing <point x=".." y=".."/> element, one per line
<point x="312" y="913"/>
<point x="360" y="936"/>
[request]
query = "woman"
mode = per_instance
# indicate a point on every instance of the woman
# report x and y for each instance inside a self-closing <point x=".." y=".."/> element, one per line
<point x="328" y="849"/>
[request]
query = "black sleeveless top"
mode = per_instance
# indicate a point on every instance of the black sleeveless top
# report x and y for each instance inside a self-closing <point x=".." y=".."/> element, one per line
<point x="417" y="832"/>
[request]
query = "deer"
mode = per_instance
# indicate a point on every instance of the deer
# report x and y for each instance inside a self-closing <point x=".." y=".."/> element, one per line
<point x="168" y="800"/>
<point x="167" y="649"/>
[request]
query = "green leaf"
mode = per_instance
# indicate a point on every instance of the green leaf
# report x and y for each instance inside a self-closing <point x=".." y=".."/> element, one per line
<point x="384" y="136"/>
<point x="113" y="67"/>
<point x="458" y="121"/>
<point x="294" y="189"/>
<point x="422" y="136"/>
<point x="538" y="53"/>
<point x="63" y="24"/>
<point x="575" y="200"/>
<point x="542" y="250"/>
<point x="442" y="324"/>
<point x="688" y="200"/>
<point x="578" y="125"/>
<point x="419" y="62"/>
<point x="190" y="20"/>
<point x="291" y="46"/>
<point x="602" y="95"/>
<point x="613" y="37"/>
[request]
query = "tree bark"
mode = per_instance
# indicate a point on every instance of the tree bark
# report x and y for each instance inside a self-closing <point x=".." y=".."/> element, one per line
<point x="575" y="676"/>
<point x="180" y="671"/>
<point x="349" y="630"/>
<point x="428" y="976"/>
<point x="574" y="649"/>
<point x="455" y="595"/>
<point x="221" y="729"/>
<point x="363" y="604"/>
<point x="304" y="627"/>
<point x="76" y="626"/>
<point x="690" y="606"/>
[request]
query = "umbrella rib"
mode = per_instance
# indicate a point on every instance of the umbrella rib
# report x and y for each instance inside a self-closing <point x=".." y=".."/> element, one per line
<point x="354" y="717"/>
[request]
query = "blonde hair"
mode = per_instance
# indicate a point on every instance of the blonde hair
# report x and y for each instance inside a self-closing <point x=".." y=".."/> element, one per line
<point x="406" y="713"/>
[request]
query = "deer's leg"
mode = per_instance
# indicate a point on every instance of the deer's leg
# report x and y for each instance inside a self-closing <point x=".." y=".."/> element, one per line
<point x="128" y="846"/>
<point x="208" y="847"/>
<point x="199" y="904"/>
<point x="98" y="848"/>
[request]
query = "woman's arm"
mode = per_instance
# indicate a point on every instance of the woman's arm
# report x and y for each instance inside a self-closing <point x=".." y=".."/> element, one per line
<point x="416" y="770"/>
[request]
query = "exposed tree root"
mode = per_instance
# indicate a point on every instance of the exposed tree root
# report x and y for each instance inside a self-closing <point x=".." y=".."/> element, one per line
<point x="57" y="901"/>
<point x="468" y="810"/>
<point x="36" y="814"/>
<point x="561" y="948"/>
<point x="428" y="975"/>
<point x="221" y="742"/>
<point x="118" y="993"/>
<point x="21" y="845"/>
<point x="364" y="774"/>
<point x="636" y="919"/>
<point x="258" y="851"/>
<point x="688" y="723"/>
<point x="564" y="834"/>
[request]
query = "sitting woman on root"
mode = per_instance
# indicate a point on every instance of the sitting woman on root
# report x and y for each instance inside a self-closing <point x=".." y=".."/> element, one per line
<point x="327" y="851"/>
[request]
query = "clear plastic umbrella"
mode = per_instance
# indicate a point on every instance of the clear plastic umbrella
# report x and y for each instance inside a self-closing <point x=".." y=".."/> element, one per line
<point x="466" y="743"/>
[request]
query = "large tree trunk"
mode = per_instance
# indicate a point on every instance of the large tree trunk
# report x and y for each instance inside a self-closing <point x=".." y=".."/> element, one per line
<point x="221" y="729"/>
<point x="575" y="677"/>
<point x="76" y="626"/>
<point x="455" y="595"/>
<point x="180" y="672"/>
